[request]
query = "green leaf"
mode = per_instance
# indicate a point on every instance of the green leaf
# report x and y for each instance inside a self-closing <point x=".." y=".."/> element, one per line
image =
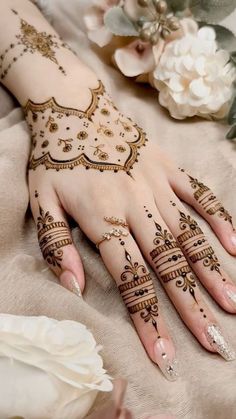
<point x="233" y="57"/>
<point x="232" y="113"/>
<point x="212" y="11"/>
<point x="224" y="37"/>
<point x="178" y="5"/>
<point x="232" y="133"/>
<point x="118" y="22"/>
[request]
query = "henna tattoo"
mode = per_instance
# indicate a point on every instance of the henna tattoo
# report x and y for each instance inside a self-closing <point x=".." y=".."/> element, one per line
<point x="52" y="236"/>
<point x="208" y="200"/>
<point x="98" y="152"/>
<point x="138" y="292"/>
<point x="169" y="260"/>
<point x="47" y="118"/>
<point x="32" y="41"/>
<point x="195" y="244"/>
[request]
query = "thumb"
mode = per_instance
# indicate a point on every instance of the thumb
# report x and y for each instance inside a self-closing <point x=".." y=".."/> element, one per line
<point x="56" y="243"/>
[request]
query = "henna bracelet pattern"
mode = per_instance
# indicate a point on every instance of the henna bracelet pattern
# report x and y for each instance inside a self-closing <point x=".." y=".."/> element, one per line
<point x="86" y="138"/>
<point x="30" y="40"/>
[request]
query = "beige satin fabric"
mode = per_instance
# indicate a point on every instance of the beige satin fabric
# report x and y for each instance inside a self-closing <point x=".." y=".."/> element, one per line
<point x="207" y="389"/>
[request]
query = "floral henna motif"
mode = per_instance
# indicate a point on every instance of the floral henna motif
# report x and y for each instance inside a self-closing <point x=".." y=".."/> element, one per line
<point x="169" y="260"/>
<point x="194" y="243"/>
<point x="138" y="292"/>
<point x="52" y="235"/>
<point x="31" y="41"/>
<point x="104" y="148"/>
<point x="208" y="200"/>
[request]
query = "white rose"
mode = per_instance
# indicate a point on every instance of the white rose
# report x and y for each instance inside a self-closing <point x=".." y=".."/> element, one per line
<point x="48" y="368"/>
<point x="193" y="77"/>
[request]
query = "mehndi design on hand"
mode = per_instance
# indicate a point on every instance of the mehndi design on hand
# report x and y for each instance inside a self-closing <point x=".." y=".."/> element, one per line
<point x="86" y="137"/>
<point x="195" y="244"/>
<point x="207" y="199"/>
<point x="32" y="41"/>
<point x="169" y="260"/>
<point x="52" y="236"/>
<point x="138" y="292"/>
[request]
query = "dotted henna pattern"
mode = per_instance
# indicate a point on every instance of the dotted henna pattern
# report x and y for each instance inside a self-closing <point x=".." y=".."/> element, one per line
<point x="105" y="147"/>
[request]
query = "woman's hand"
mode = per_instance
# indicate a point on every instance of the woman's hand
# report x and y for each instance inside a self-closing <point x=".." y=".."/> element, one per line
<point x="90" y="161"/>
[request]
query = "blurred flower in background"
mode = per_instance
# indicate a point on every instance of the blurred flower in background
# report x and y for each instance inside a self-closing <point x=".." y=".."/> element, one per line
<point x="178" y="47"/>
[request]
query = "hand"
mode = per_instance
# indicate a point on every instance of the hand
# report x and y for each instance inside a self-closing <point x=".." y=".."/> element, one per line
<point x="97" y="166"/>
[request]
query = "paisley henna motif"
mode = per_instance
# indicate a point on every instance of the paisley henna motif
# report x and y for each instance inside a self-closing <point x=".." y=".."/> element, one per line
<point x="138" y="292"/>
<point x="195" y="244"/>
<point x="208" y="200"/>
<point x="52" y="236"/>
<point x="169" y="260"/>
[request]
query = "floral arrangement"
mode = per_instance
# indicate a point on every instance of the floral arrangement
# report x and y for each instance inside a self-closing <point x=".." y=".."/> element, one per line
<point x="178" y="47"/>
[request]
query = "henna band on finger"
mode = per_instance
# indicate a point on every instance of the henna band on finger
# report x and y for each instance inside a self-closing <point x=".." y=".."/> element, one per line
<point x="208" y="201"/>
<point x="138" y="291"/>
<point x="169" y="260"/>
<point x="52" y="236"/>
<point x="196" y="245"/>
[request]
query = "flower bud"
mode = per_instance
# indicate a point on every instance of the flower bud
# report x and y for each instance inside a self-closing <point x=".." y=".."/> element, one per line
<point x="160" y="6"/>
<point x="173" y="23"/>
<point x="143" y="3"/>
<point x="165" y="33"/>
<point x="154" y="38"/>
<point x="145" y="34"/>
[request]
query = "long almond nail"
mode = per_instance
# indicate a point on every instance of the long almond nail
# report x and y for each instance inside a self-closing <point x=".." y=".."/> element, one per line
<point x="230" y="293"/>
<point x="164" y="355"/>
<point x="69" y="281"/>
<point x="218" y="342"/>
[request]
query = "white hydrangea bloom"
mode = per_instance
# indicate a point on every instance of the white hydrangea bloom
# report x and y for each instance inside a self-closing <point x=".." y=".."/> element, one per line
<point x="193" y="77"/>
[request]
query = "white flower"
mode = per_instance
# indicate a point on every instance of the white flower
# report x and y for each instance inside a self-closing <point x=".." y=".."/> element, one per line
<point x="193" y="77"/>
<point x="48" y="368"/>
<point x="93" y="18"/>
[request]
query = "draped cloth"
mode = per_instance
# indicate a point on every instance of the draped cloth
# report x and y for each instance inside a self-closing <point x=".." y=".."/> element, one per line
<point x="207" y="387"/>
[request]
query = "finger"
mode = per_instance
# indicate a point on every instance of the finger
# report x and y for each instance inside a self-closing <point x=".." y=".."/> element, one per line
<point x="167" y="259"/>
<point x="126" y="265"/>
<point x="200" y="254"/>
<point x="56" y="243"/>
<point x="199" y="196"/>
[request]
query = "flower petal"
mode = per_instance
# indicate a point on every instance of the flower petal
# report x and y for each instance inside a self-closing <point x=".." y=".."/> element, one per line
<point x="198" y="88"/>
<point x="134" y="59"/>
<point x="101" y="36"/>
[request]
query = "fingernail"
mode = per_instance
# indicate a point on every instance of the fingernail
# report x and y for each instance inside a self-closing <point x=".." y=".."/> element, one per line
<point x="68" y="279"/>
<point x="216" y="339"/>
<point x="165" y="358"/>
<point x="230" y="293"/>
<point x="233" y="239"/>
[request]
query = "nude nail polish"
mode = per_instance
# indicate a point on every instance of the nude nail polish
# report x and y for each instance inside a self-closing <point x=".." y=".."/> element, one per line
<point x="68" y="279"/>
<point x="216" y="339"/>
<point x="230" y="293"/>
<point x="165" y="358"/>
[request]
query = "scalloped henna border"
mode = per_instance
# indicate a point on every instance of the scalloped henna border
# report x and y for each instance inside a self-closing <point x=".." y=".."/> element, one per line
<point x="51" y="163"/>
